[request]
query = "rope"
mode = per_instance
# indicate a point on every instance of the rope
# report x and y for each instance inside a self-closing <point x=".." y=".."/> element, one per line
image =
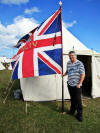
<point x="26" y="107"/>
<point x="8" y="90"/>
<point x="55" y="32"/>
<point x="9" y="84"/>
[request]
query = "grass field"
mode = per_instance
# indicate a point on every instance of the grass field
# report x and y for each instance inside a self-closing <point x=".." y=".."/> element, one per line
<point x="43" y="117"/>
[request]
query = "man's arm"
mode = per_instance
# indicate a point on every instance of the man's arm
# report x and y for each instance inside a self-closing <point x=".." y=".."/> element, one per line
<point x="81" y="80"/>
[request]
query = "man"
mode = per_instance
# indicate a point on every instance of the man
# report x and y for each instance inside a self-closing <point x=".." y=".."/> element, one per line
<point x="76" y="75"/>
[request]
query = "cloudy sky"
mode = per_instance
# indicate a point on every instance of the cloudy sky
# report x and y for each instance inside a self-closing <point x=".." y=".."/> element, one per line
<point x="18" y="17"/>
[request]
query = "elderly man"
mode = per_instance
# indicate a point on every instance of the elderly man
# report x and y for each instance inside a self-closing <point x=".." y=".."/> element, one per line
<point x="76" y="75"/>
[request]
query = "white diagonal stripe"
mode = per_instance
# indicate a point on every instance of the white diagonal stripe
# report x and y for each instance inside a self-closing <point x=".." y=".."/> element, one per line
<point x="15" y="64"/>
<point x="46" y="48"/>
<point x="35" y="62"/>
<point x="40" y="50"/>
<point x="51" y="61"/>
<point x="20" y="75"/>
<point x="43" y="25"/>
<point x="47" y="36"/>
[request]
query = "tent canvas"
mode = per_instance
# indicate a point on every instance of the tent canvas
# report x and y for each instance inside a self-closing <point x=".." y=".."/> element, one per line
<point x="2" y="67"/>
<point x="96" y="76"/>
<point x="46" y="88"/>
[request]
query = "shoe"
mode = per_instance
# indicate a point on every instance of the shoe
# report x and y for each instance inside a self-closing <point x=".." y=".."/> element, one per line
<point x="79" y="118"/>
<point x="71" y="113"/>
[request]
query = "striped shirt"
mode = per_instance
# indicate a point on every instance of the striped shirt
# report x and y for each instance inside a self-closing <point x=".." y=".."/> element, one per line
<point x="74" y="72"/>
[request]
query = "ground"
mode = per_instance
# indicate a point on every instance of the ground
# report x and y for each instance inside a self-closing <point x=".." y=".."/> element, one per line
<point x="43" y="117"/>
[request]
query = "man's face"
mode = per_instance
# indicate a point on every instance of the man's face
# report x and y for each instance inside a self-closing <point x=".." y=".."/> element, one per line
<point x="72" y="57"/>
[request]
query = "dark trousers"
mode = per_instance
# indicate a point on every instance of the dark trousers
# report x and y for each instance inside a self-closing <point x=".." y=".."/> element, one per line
<point x="76" y="101"/>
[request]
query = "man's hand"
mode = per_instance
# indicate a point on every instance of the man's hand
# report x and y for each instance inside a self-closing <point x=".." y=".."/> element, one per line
<point x="78" y="85"/>
<point x="62" y="75"/>
<point x="81" y="80"/>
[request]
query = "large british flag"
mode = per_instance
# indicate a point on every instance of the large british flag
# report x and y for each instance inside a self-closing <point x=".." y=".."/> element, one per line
<point x="41" y="52"/>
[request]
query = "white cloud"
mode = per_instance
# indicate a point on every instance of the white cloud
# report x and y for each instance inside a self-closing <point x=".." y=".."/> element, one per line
<point x="71" y="24"/>
<point x="32" y="10"/>
<point x="10" y="34"/>
<point x="4" y="47"/>
<point x="15" y="2"/>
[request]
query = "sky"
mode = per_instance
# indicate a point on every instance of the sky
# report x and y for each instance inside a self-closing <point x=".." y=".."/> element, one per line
<point x="18" y="17"/>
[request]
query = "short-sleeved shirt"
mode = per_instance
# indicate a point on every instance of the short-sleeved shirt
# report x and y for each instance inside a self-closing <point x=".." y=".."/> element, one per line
<point x="74" y="72"/>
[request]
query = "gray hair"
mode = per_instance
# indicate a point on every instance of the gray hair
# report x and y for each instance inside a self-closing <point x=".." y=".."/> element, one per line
<point x="72" y="52"/>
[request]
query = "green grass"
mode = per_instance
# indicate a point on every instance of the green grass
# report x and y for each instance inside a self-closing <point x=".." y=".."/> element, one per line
<point x="44" y="117"/>
<point x="5" y="77"/>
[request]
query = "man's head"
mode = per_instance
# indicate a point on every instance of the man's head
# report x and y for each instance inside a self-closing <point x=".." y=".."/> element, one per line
<point x="72" y="56"/>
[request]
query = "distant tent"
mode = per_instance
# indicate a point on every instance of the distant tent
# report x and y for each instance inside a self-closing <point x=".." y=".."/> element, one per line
<point x="4" y="59"/>
<point x="46" y="88"/>
<point x="1" y="66"/>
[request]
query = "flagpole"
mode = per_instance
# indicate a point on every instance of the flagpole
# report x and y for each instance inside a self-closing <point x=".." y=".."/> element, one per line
<point x="60" y="3"/>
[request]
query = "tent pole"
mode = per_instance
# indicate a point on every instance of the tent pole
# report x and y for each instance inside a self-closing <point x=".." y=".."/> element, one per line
<point x="62" y="96"/>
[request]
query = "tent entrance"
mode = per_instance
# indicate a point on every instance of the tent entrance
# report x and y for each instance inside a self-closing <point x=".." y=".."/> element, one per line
<point x="87" y="84"/>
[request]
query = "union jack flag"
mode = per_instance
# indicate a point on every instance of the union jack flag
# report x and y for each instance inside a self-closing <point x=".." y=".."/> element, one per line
<point x="41" y="51"/>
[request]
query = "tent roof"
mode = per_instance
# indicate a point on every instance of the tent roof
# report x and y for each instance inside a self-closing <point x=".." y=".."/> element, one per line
<point x="70" y="42"/>
<point x="5" y="60"/>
